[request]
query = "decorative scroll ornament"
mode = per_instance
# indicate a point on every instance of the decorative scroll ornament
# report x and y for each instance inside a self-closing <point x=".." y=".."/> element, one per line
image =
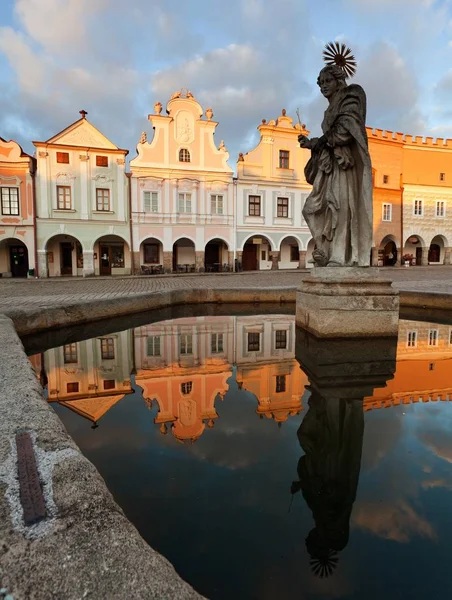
<point x="341" y="56"/>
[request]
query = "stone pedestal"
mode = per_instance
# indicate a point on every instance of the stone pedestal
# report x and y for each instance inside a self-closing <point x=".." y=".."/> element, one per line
<point x="347" y="302"/>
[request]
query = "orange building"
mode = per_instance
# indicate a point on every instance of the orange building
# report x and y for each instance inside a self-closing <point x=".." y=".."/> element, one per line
<point x="17" y="215"/>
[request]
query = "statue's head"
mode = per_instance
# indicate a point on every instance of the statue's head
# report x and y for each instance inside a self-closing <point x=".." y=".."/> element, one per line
<point x="331" y="78"/>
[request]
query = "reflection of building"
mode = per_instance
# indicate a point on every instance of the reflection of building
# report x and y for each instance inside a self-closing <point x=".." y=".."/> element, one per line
<point x="91" y="376"/>
<point x="182" y="192"/>
<point x="424" y="367"/>
<point x="82" y="204"/>
<point x="17" y="234"/>
<point x="271" y="190"/>
<point x="184" y="366"/>
<point x="266" y="365"/>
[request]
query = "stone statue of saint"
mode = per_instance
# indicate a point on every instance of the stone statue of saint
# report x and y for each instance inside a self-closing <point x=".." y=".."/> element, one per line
<point x="339" y="209"/>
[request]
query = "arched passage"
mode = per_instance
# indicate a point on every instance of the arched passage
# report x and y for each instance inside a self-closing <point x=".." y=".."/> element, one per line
<point x="184" y="256"/>
<point x="387" y="252"/>
<point x="111" y="256"/>
<point x="256" y="254"/>
<point x="216" y="257"/>
<point x="151" y="255"/>
<point x="436" y="252"/>
<point x="289" y="253"/>
<point x="64" y="256"/>
<point x="13" y="258"/>
<point x="413" y="251"/>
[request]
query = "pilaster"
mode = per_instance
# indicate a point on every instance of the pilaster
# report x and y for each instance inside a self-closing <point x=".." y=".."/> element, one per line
<point x="88" y="263"/>
<point x="42" y="264"/>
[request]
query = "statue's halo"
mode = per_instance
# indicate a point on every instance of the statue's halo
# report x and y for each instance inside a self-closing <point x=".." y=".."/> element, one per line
<point x="340" y="55"/>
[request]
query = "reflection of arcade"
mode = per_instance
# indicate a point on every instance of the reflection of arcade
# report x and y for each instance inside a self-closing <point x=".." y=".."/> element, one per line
<point x="341" y="373"/>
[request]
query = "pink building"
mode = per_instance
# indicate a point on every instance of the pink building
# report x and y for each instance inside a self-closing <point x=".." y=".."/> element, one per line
<point x="182" y="192"/>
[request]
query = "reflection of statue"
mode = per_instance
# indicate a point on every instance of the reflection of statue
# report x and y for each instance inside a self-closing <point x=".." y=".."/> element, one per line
<point x="339" y="209"/>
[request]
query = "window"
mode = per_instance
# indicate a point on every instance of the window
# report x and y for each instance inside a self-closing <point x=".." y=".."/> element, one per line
<point x="253" y="341"/>
<point x="283" y="207"/>
<point x="216" y="343"/>
<point x="442" y="176"/>
<point x="107" y="348"/>
<point x="387" y="212"/>
<point x="151" y="253"/>
<point x="263" y="255"/>
<point x="284" y="159"/>
<point x="418" y="208"/>
<point x="109" y="384"/>
<point x="117" y="256"/>
<point x="70" y="353"/>
<point x="294" y="254"/>
<point x="281" y="339"/>
<point x="280" y="383"/>
<point x="440" y="208"/>
<point x="186" y="343"/>
<point x="186" y="387"/>
<point x="151" y="202"/>
<point x="101" y="161"/>
<point x="64" y="200"/>
<point x="254" y="206"/>
<point x="153" y="345"/>
<point x="63" y="157"/>
<point x="102" y="199"/>
<point x="10" y="201"/>
<point x="184" y="203"/>
<point x="184" y="155"/>
<point x="411" y="341"/>
<point x="216" y="204"/>
<point x="72" y="388"/>
<point x="432" y="337"/>
<point x="385" y="178"/>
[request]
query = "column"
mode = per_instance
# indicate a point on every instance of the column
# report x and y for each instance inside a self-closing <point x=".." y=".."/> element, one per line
<point x="424" y="261"/>
<point x="374" y="257"/>
<point x="447" y="256"/>
<point x="239" y="255"/>
<point x="274" y="257"/>
<point x="42" y="264"/>
<point x="199" y="259"/>
<point x="302" y="259"/>
<point x="88" y="263"/>
<point x="136" y="263"/>
<point x="231" y="260"/>
<point x="167" y="261"/>
<point x="399" y="257"/>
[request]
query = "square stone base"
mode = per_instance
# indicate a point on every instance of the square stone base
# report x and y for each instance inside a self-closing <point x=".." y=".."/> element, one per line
<point x="347" y="302"/>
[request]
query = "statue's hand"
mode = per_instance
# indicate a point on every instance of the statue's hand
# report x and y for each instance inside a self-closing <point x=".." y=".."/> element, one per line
<point x="304" y="141"/>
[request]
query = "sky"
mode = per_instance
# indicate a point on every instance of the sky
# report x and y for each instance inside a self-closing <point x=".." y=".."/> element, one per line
<point x="247" y="59"/>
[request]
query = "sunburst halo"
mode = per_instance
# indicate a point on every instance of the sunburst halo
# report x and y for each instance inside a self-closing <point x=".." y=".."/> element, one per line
<point x="339" y="54"/>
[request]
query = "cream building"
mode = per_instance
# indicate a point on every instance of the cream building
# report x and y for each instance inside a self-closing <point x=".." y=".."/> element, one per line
<point x="83" y="224"/>
<point x="182" y="192"/>
<point x="271" y="190"/>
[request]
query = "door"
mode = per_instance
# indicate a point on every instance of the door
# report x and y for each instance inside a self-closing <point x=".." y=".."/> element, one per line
<point x="419" y="256"/>
<point x="19" y="261"/>
<point x="249" y="257"/>
<point x="66" y="258"/>
<point x="212" y="256"/>
<point x="105" y="260"/>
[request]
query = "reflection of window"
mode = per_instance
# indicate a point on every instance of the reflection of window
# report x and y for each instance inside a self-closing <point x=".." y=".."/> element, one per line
<point x="184" y="155"/>
<point x="184" y="203"/>
<point x="70" y="353"/>
<point x="387" y="212"/>
<point x="253" y="341"/>
<point x="151" y="202"/>
<point x="107" y="348"/>
<point x="281" y="339"/>
<point x="411" y="341"/>
<point x="418" y="208"/>
<point x="101" y="161"/>
<point x="432" y="337"/>
<point x="151" y="253"/>
<point x="254" y="206"/>
<point x="283" y="207"/>
<point x="294" y="253"/>
<point x="64" y="201"/>
<point x="216" y="343"/>
<point x="102" y="199"/>
<point x="117" y="256"/>
<point x="186" y="343"/>
<point x="153" y="345"/>
<point x="109" y="384"/>
<point x="216" y="204"/>
<point x="72" y="388"/>
<point x="284" y="159"/>
<point x="63" y="157"/>
<point x="280" y="383"/>
<point x="186" y="387"/>
<point x="10" y="201"/>
<point x="440" y="208"/>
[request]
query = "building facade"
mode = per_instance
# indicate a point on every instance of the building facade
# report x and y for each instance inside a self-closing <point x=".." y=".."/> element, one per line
<point x="271" y="190"/>
<point x="17" y="215"/>
<point x="182" y="192"/>
<point x="83" y="221"/>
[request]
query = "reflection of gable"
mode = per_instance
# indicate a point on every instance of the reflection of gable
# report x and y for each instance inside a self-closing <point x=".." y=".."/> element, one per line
<point x="93" y="408"/>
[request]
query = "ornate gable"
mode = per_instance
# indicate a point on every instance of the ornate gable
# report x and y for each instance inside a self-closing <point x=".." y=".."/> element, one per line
<point x="11" y="152"/>
<point x="82" y="133"/>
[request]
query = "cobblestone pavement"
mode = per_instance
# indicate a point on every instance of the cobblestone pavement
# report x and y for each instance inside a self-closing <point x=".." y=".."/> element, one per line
<point x="60" y="291"/>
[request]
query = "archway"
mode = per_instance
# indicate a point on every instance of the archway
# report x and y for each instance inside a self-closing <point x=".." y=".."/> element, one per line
<point x="216" y="257"/>
<point x="151" y="256"/>
<point x="436" y="251"/>
<point x="111" y="256"/>
<point x="309" y="250"/>
<point x="13" y="258"/>
<point x="64" y="256"/>
<point x="387" y="252"/>
<point x="412" y="250"/>
<point x="184" y="256"/>
<point x="289" y="255"/>
<point x="256" y="254"/>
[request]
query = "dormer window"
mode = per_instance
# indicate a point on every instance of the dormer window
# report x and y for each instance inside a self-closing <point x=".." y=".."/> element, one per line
<point x="184" y="155"/>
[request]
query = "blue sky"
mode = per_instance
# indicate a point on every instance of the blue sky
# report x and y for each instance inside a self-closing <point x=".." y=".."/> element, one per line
<point x="247" y="59"/>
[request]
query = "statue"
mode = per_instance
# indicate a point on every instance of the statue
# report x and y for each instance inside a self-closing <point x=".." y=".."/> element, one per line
<point x="143" y="137"/>
<point x="339" y="209"/>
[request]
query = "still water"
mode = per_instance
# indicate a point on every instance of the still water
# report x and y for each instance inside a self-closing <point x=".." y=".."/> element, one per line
<point x="265" y="464"/>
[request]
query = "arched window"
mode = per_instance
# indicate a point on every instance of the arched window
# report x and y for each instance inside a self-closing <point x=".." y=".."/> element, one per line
<point x="184" y="155"/>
